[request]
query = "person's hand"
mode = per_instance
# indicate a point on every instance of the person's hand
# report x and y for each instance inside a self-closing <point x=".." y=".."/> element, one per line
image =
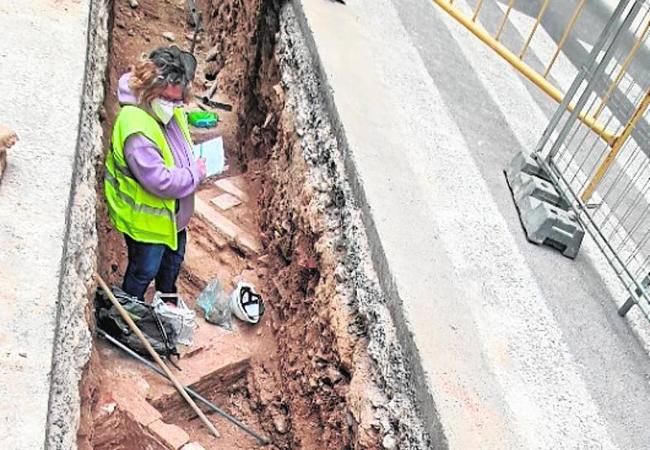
<point x="200" y="164"/>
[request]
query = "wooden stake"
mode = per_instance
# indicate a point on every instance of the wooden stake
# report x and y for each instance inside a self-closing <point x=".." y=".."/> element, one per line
<point x="155" y="355"/>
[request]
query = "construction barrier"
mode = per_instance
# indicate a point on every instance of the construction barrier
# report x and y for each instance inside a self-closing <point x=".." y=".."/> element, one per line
<point x="608" y="183"/>
<point x="596" y="149"/>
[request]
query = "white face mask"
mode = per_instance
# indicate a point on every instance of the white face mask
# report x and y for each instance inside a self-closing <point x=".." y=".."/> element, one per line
<point x="164" y="109"/>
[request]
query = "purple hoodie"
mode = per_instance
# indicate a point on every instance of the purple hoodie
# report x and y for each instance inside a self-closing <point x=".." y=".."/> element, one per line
<point x="147" y="166"/>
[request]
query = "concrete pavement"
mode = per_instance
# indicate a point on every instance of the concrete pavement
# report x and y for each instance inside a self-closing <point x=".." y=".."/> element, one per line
<point x="513" y="345"/>
<point x="42" y="61"/>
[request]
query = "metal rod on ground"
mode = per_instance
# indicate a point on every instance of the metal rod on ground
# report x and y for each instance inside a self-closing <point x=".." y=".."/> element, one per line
<point x="261" y="439"/>
<point x="194" y="38"/>
<point x="196" y="17"/>
<point x="213" y="103"/>
<point x="154" y="355"/>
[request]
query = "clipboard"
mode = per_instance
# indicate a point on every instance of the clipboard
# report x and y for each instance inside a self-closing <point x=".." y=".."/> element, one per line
<point x="212" y="151"/>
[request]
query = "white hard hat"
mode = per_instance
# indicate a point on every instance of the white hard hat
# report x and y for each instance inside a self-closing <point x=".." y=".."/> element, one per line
<point x="246" y="304"/>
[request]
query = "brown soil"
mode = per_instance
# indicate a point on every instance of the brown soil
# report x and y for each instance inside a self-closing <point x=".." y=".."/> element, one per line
<point x="293" y="377"/>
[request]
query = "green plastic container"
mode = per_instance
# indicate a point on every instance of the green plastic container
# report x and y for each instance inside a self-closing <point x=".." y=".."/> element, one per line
<point x="202" y="119"/>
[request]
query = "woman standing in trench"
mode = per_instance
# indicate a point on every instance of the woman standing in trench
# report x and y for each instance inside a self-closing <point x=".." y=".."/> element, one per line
<point x="151" y="174"/>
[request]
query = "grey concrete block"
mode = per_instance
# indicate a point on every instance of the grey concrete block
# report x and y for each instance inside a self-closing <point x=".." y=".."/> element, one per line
<point x="524" y="185"/>
<point x="546" y="224"/>
<point x="524" y="162"/>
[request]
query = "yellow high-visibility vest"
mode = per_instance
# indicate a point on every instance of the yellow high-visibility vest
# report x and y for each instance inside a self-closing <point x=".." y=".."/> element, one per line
<point x="134" y="211"/>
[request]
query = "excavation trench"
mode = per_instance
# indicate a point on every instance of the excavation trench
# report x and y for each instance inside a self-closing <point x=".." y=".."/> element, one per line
<point x="322" y="370"/>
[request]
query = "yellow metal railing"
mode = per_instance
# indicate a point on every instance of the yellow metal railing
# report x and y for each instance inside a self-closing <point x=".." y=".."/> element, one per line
<point x="542" y="10"/>
<point x="504" y="20"/>
<point x="604" y="166"/>
<point x="516" y="60"/>
<point x="565" y="35"/>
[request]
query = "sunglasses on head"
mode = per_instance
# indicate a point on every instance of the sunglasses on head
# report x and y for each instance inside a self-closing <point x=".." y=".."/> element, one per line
<point x="177" y="66"/>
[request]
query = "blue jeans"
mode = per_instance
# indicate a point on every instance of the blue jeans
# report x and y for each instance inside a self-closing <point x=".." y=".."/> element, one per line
<point x="152" y="261"/>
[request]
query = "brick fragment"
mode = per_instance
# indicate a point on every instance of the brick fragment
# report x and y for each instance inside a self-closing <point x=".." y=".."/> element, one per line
<point x="193" y="446"/>
<point x="229" y="185"/>
<point x="224" y="226"/>
<point x="174" y="436"/>
<point x="218" y="221"/>
<point x="248" y="244"/>
<point x="225" y="201"/>
<point x="133" y="404"/>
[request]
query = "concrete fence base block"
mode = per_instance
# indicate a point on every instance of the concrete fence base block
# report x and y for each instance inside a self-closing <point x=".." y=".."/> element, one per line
<point x="544" y="214"/>
<point x="524" y="162"/>
<point x="524" y="185"/>
<point x="549" y="225"/>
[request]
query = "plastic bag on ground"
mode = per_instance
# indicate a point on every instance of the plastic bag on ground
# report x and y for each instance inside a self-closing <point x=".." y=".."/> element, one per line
<point x="215" y="303"/>
<point x="181" y="317"/>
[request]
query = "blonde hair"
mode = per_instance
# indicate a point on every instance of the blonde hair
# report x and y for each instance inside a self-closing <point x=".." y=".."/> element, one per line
<point x="145" y="81"/>
<point x="150" y="77"/>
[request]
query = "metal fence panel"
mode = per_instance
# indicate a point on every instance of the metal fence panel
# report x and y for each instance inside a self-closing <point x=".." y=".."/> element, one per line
<point x="596" y="147"/>
<point x="607" y="180"/>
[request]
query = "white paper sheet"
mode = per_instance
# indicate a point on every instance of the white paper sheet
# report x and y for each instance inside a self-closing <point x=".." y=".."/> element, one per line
<point x="213" y="153"/>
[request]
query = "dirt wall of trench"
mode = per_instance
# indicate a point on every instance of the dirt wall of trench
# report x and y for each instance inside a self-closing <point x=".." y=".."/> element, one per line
<point x="344" y="370"/>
